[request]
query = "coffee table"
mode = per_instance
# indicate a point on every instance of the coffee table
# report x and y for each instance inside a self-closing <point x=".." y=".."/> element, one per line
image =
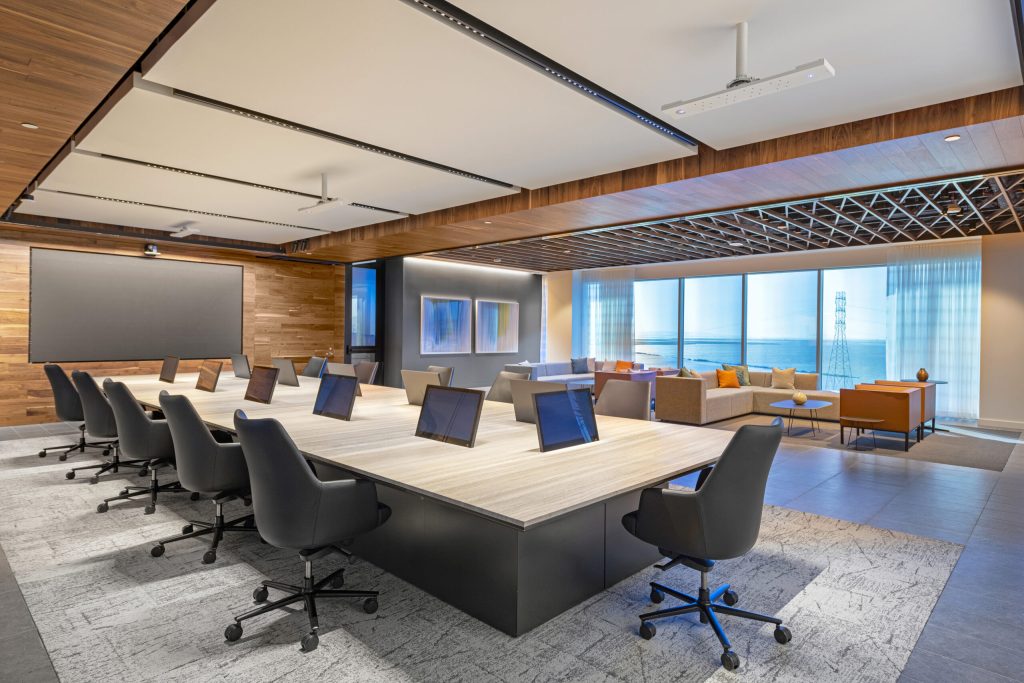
<point x="811" y="406"/>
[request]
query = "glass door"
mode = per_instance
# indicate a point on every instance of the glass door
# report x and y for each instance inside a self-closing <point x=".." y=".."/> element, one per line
<point x="364" y="315"/>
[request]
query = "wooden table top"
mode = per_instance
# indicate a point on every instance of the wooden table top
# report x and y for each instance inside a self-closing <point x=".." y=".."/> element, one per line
<point x="504" y="477"/>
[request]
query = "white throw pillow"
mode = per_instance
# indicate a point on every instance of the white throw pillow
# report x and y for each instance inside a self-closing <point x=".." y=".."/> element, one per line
<point x="784" y="379"/>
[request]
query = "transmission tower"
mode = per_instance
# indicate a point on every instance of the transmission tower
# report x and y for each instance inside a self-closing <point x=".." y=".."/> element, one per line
<point x="839" y="369"/>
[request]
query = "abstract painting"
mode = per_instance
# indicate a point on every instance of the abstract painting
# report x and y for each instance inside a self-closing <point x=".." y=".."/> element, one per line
<point x="497" y="326"/>
<point x="445" y="325"/>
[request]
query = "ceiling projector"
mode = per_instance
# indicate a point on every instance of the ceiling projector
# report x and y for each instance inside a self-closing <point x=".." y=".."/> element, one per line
<point x="324" y="203"/>
<point x="746" y="87"/>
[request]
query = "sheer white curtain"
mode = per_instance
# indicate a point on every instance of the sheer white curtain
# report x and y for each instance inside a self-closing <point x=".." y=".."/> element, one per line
<point x="602" y="314"/>
<point x="934" y="321"/>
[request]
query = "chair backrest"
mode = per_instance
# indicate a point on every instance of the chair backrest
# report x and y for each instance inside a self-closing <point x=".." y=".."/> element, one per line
<point x="99" y="417"/>
<point x="315" y="367"/>
<point x="366" y="371"/>
<point x="196" y="450"/>
<point x="622" y="398"/>
<point x="732" y="497"/>
<point x="445" y="373"/>
<point x="416" y="383"/>
<point x="65" y="397"/>
<point x="140" y="437"/>
<point x="342" y="369"/>
<point x="501" y="388"/>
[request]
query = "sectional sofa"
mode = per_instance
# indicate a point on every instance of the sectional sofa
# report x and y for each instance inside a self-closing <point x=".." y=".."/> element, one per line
<point x="561" y="371"/>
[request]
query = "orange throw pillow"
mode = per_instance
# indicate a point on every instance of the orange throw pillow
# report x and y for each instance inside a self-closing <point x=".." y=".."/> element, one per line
<point x="623" y="365"/>
<point x="727" y="379"/>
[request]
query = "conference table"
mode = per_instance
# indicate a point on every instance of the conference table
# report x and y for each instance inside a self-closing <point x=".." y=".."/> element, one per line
<point x="502" y="531"/>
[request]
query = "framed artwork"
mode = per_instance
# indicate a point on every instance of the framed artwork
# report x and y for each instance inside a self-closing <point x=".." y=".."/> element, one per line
<point x="497" y="326"/>
<point x="445" y="325"/>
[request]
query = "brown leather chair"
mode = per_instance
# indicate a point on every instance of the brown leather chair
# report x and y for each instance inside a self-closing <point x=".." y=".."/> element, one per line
<point x="927" y="398"/>
<point x="898" y="408"/>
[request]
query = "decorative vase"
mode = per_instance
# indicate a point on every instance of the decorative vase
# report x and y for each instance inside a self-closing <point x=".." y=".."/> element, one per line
<point x="799" y="398"/>
<point x="922" y="375"/>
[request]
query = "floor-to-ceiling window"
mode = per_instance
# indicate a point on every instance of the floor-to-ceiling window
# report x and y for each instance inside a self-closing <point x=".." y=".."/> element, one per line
<point x="362" y="341"/>
<point x="712" y="321"/>
<point x="853" y="326"/>
<point x="782" y="320"/>
<point x="656" y="323"/>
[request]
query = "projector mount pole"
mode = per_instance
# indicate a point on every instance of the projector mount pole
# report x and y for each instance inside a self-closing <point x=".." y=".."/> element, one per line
<point x="323" y="188"/>
<point x="742" y="78"/>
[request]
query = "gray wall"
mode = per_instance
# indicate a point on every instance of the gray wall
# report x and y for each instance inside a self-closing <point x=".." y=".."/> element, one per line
<point x="409" y="279"/>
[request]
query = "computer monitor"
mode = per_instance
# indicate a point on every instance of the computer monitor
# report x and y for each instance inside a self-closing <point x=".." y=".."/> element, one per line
<point x="522" y="396"/>
<point x="261" y="384"/>
<point x="169" y="369"/>
<point x="346" y="369"/>
<point x="240" y="365"/>
<point x="209" y="373"/>
<point x="336" y="396"/>
<point x="565" y="418"/>
<point x="450" y="415"/>
<point x="287" y="374"/>
<point x="416" y="383"/>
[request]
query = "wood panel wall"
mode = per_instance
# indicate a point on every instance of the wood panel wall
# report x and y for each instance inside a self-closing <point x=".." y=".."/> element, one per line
<point x="289" y="310"/>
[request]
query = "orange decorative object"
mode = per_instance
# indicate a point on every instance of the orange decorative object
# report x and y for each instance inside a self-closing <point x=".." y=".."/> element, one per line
<point x="727" y="379"/>
<point x="623" y="365"/>
<point x="922" y="375"/>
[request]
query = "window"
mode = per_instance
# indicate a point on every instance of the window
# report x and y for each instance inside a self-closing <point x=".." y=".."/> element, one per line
<point x="712" y="321"/>
<point x="364" y="306"/>
<point x="782" y="320"/>
<point x="853" y="304"/>
<point x="656" y="323"/>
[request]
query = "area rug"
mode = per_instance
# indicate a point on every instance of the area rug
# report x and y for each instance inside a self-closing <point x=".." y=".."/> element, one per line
<point x="986" y="449"/>
<point x="855" y="597"/>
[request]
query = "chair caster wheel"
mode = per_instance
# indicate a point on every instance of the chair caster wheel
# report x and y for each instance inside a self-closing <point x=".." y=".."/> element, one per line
<point x="782" y="634"/>
<point x="106" y="452"/>
<point x="209" y="557"/>
<point x="310" y="641"/>
<point x="143" y="472"/>
<point x="233" y="632"/>
<point x="102" y="507"/>
<point x="260" y="594"/>
<point x="647" y="630"/>
<point x="187" y="529"/>
<point x="338" y="581"/>
<point x="657" y="596"/>
<point x="150" y="509"/>
<point x="94" y="479"/>
<point x="62" y="457"/>
<point x="194" y="496"/>
<point x="370" y="605"/>
<point x="730" y="660"/>
<point x="70" y="475"/>
<point x="42" y="454"/>
<point x="730" y="598"/>
<point x="124" y="492"/>
<point x="157" y="551"/>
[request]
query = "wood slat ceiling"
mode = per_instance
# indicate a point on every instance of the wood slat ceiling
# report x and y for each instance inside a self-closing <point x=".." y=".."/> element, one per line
<point x="956" y="207"/>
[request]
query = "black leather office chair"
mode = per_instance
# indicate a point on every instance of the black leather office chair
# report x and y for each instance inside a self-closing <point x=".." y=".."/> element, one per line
<point x="99" y="422"/>
<point x="366" y="371"/>
<point x="295" y="510"/>
<point x="144" y="439"/>
<point x="445" y="373"/>
<point x="69" y="409"/>
<point x="315" y="367"/>
<point x="205" y="466"/>
<point x="718" y="521"/>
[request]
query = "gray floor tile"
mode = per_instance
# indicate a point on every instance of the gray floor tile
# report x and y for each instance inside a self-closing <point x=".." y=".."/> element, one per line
<point x="16" y="617"/>
<point x="25" y="659"/>
<point x="975" y="650"/>
<point x="926" y="665"/>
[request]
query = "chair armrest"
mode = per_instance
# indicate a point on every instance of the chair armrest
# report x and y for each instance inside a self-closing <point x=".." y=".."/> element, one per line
<point x="681" y="399"/>
<point x="347" y="507"/>
<point x="669" y="518"/>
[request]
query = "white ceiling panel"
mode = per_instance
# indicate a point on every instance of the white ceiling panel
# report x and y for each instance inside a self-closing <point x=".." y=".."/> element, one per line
<point x="385" y="73"/>
<point x="888" y="55"/>
<point x="75" y="207"/>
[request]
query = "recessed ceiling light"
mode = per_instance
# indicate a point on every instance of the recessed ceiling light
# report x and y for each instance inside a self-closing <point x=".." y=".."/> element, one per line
<point x="567" y="251"/>
<point x="30" y="126"/>
<point x="680" y="111"/>
<point x="952" y="138"/>
<point x="736" y="244"/>
<point x="952" y="209"/>
<point x="497" y="260"/>
<point x="487" y="222"/>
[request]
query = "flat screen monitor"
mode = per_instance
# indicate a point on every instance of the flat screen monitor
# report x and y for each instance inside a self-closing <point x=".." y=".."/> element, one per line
<point x="522" y="396"/>
<point x="287" y="374"/>
<point x="209" y="373"/>
<point x="564" y="418"/>
<point x="169" y="369"/>
<point x="240" y="365"/>
<point x="261" y="384"/>
<point x="416" y="383"/>
<point x="336" y="396"/>
<point x="450" y="415"/>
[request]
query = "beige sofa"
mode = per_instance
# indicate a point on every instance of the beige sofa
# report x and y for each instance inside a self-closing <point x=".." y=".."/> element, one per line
<point x="699" y="401"/>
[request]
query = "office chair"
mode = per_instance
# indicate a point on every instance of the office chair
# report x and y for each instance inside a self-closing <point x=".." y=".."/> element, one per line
<point x="622" y="398"/>
<point x="501" y="388"/>
<point x="314" y="368"/>
<point x="205" y="466"/>
<point x="366" y="371"/>
<point x="99" y="422"/>
<point x="447" y="375"/>
<point x="69" y="409"/>
<point x="720" y="520"/>
<point x="295" y="510"/>
<point x="145" y="439"/>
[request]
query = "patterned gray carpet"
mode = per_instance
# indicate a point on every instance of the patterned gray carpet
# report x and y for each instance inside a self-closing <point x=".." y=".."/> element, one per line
<point x="855" y="597"/>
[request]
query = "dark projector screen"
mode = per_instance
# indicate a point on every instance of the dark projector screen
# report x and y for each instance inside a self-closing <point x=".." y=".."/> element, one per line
<point x="99" y="307"/>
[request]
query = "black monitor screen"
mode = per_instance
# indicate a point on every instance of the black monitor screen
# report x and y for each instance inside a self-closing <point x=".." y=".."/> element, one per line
<point x="169" y="369"/>
<point x="450" y="414"/>
<point x="565" y="418"/>
<point x="336" y="396"/>
<point x="261" y="384"/>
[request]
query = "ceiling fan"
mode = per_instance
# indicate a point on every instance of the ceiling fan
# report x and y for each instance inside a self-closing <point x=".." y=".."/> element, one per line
<point x="324" y="203"/>
<point x="746" y="87"/>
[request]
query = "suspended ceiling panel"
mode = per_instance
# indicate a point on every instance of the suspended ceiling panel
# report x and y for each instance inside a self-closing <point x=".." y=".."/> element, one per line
<point x="387" y="74"/>
<point x="85" y="208"/>
<point x="888" y="56"/>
